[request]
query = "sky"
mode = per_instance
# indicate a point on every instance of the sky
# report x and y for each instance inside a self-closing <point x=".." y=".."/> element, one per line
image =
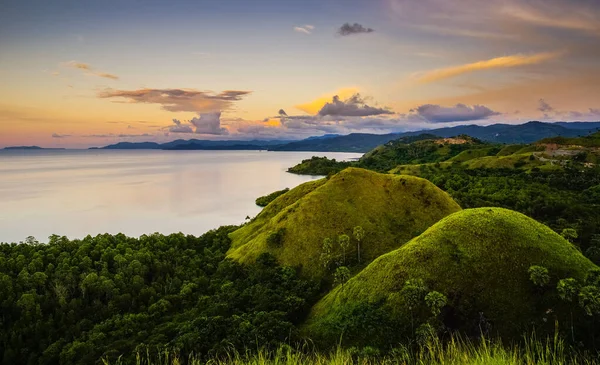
<point x="87" y="73"/>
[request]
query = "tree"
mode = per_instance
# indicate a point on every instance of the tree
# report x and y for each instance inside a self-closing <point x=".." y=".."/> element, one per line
<point x="413" y="293"/>
<point x="326" y="254"/>
<point x="568" y="290"/>
<point x="539" y="275"/>
<point x="344" y="242"/>
<point x="359" y="234"/>
<point x="435" y="301"/>
<point x="569" y="234"/>
<point x="342" y="274"/>
<point x="589" y="300"/>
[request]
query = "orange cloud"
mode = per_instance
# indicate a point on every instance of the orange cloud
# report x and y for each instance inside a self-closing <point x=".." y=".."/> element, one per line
<point x="90" y="71"/>
<point x="314" y="106"/>
<point x="494" y="63"/>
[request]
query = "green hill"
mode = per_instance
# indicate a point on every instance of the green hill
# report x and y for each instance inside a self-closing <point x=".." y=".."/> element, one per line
<point x="479" y="259"/>
<point x="391" y="210"/>
<point x="593" y="140"/>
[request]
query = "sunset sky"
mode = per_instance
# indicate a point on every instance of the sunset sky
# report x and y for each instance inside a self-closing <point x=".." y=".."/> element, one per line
<point x="89" y="73"/>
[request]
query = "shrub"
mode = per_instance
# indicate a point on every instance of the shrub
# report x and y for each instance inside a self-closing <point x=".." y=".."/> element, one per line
<point x="275" y="238"/>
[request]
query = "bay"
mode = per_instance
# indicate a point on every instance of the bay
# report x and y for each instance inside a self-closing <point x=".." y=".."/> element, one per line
<point x="79" y="192"/>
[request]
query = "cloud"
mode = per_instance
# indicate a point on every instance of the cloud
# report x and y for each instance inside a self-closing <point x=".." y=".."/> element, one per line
<point x="350" y="29"/>
<point x="56" y="135"/>
<point x="112" y="135"/>
<point x="180" y="128"/>
<point x="204" y="123"/>
<point x="355" y="106"/>
<point x="89" y="70"/>
<point x="314" y="106"/>
<point x="544" y="107"/>
<point x="306" y="29"/>
<point x="494" y="63"/>
<point x="209" y="123"/>
<point x="179" y="100"/>
<point x="458" y="113"/>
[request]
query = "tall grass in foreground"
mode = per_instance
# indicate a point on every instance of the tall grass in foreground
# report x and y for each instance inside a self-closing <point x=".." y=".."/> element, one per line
<point x="454" y="352"/>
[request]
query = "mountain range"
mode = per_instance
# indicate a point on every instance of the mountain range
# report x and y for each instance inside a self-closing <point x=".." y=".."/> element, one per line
<point x="363" y="142"/>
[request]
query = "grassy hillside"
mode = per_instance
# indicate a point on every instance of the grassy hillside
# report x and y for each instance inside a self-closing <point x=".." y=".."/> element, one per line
<point x="391" y="210"/>
<point x="417" y="150"/>
<point x="592" y="140"/>
<point x="479" y="259"/>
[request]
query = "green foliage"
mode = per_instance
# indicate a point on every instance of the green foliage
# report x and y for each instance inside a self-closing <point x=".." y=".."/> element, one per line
<point x="589" y="300"/>
<point x="392" y="209"/>
<point x="263" y="201"/>
<point x="593" y="140"/>
<point x="430" y="149"/>
<point x="480" y="256"/>
<point x="539" y="275"/>
<point x="342" y="274"/>
<point x="75" y="301"/>
<point x="319" y="166"/>
<point x="569" y="234"/>
<point x="359" y="233"/>
<point x="275" y="238"/>
<point x="436" y="301"/>
<point x="414" y="292"/>
<point x="560" y="198"/>
<point x="568" y="289"/>
<point x="344" y="242"/>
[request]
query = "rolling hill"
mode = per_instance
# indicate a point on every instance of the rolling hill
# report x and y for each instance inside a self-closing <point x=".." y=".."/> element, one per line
<point x="479" y="259"/>
<point x="391" y="209"/>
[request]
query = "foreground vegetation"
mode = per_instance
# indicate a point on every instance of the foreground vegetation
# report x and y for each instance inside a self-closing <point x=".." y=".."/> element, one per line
<point x="455" y="351"/>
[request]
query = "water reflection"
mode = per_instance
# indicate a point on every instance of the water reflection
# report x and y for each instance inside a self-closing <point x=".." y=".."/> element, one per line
<point x="75" y="193"/>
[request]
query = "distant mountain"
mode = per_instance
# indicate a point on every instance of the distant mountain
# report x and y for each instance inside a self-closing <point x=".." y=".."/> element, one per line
<point x="196" y="144"/>
<point x="132" y="146"/>
<point x="579" y="125"/>
<point x="30" y="148"/>
<point x="498" y="133"/>
<point x="355" y="142"/>
<point x="364" y="142"/>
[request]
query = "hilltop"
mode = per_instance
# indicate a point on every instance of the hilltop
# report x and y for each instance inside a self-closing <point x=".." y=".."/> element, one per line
<point x="391" y="210"/>
<point x="479" y="259"/>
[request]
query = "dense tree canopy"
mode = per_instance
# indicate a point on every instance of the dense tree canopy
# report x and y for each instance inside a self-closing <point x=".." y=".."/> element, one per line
<point x="75" y="301"/>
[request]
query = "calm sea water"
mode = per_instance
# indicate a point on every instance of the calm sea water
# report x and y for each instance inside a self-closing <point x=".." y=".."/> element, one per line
<point x="76" y="193"/>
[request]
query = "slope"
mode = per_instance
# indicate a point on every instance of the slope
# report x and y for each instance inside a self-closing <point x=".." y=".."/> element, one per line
<point x="391" y="210"/>
<point x="479" y="259"/>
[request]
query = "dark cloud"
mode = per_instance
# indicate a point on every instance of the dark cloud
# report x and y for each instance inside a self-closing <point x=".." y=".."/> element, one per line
<point x="179" y="100"/>
<point x="350" y="29"/>
<point x="56" y="135"/>
<point x="355" y="106"/>
<point x="544" y="107"/>
<point x="179" y="127"/>
<point x="458" y="113"/>
<point x="595" y="112"/>
<point x="282" y="113"/>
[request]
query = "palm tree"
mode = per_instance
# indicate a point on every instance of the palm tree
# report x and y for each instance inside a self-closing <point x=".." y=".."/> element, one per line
<point x="359" y="233"/>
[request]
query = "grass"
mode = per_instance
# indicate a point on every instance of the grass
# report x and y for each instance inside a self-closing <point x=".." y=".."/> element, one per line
<point x="474" y="153"/>
<point x="263" y="201"/>
<point x="455" y="351"/>
<point x="392" y="209"/>
<point x="478" y="258"/>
